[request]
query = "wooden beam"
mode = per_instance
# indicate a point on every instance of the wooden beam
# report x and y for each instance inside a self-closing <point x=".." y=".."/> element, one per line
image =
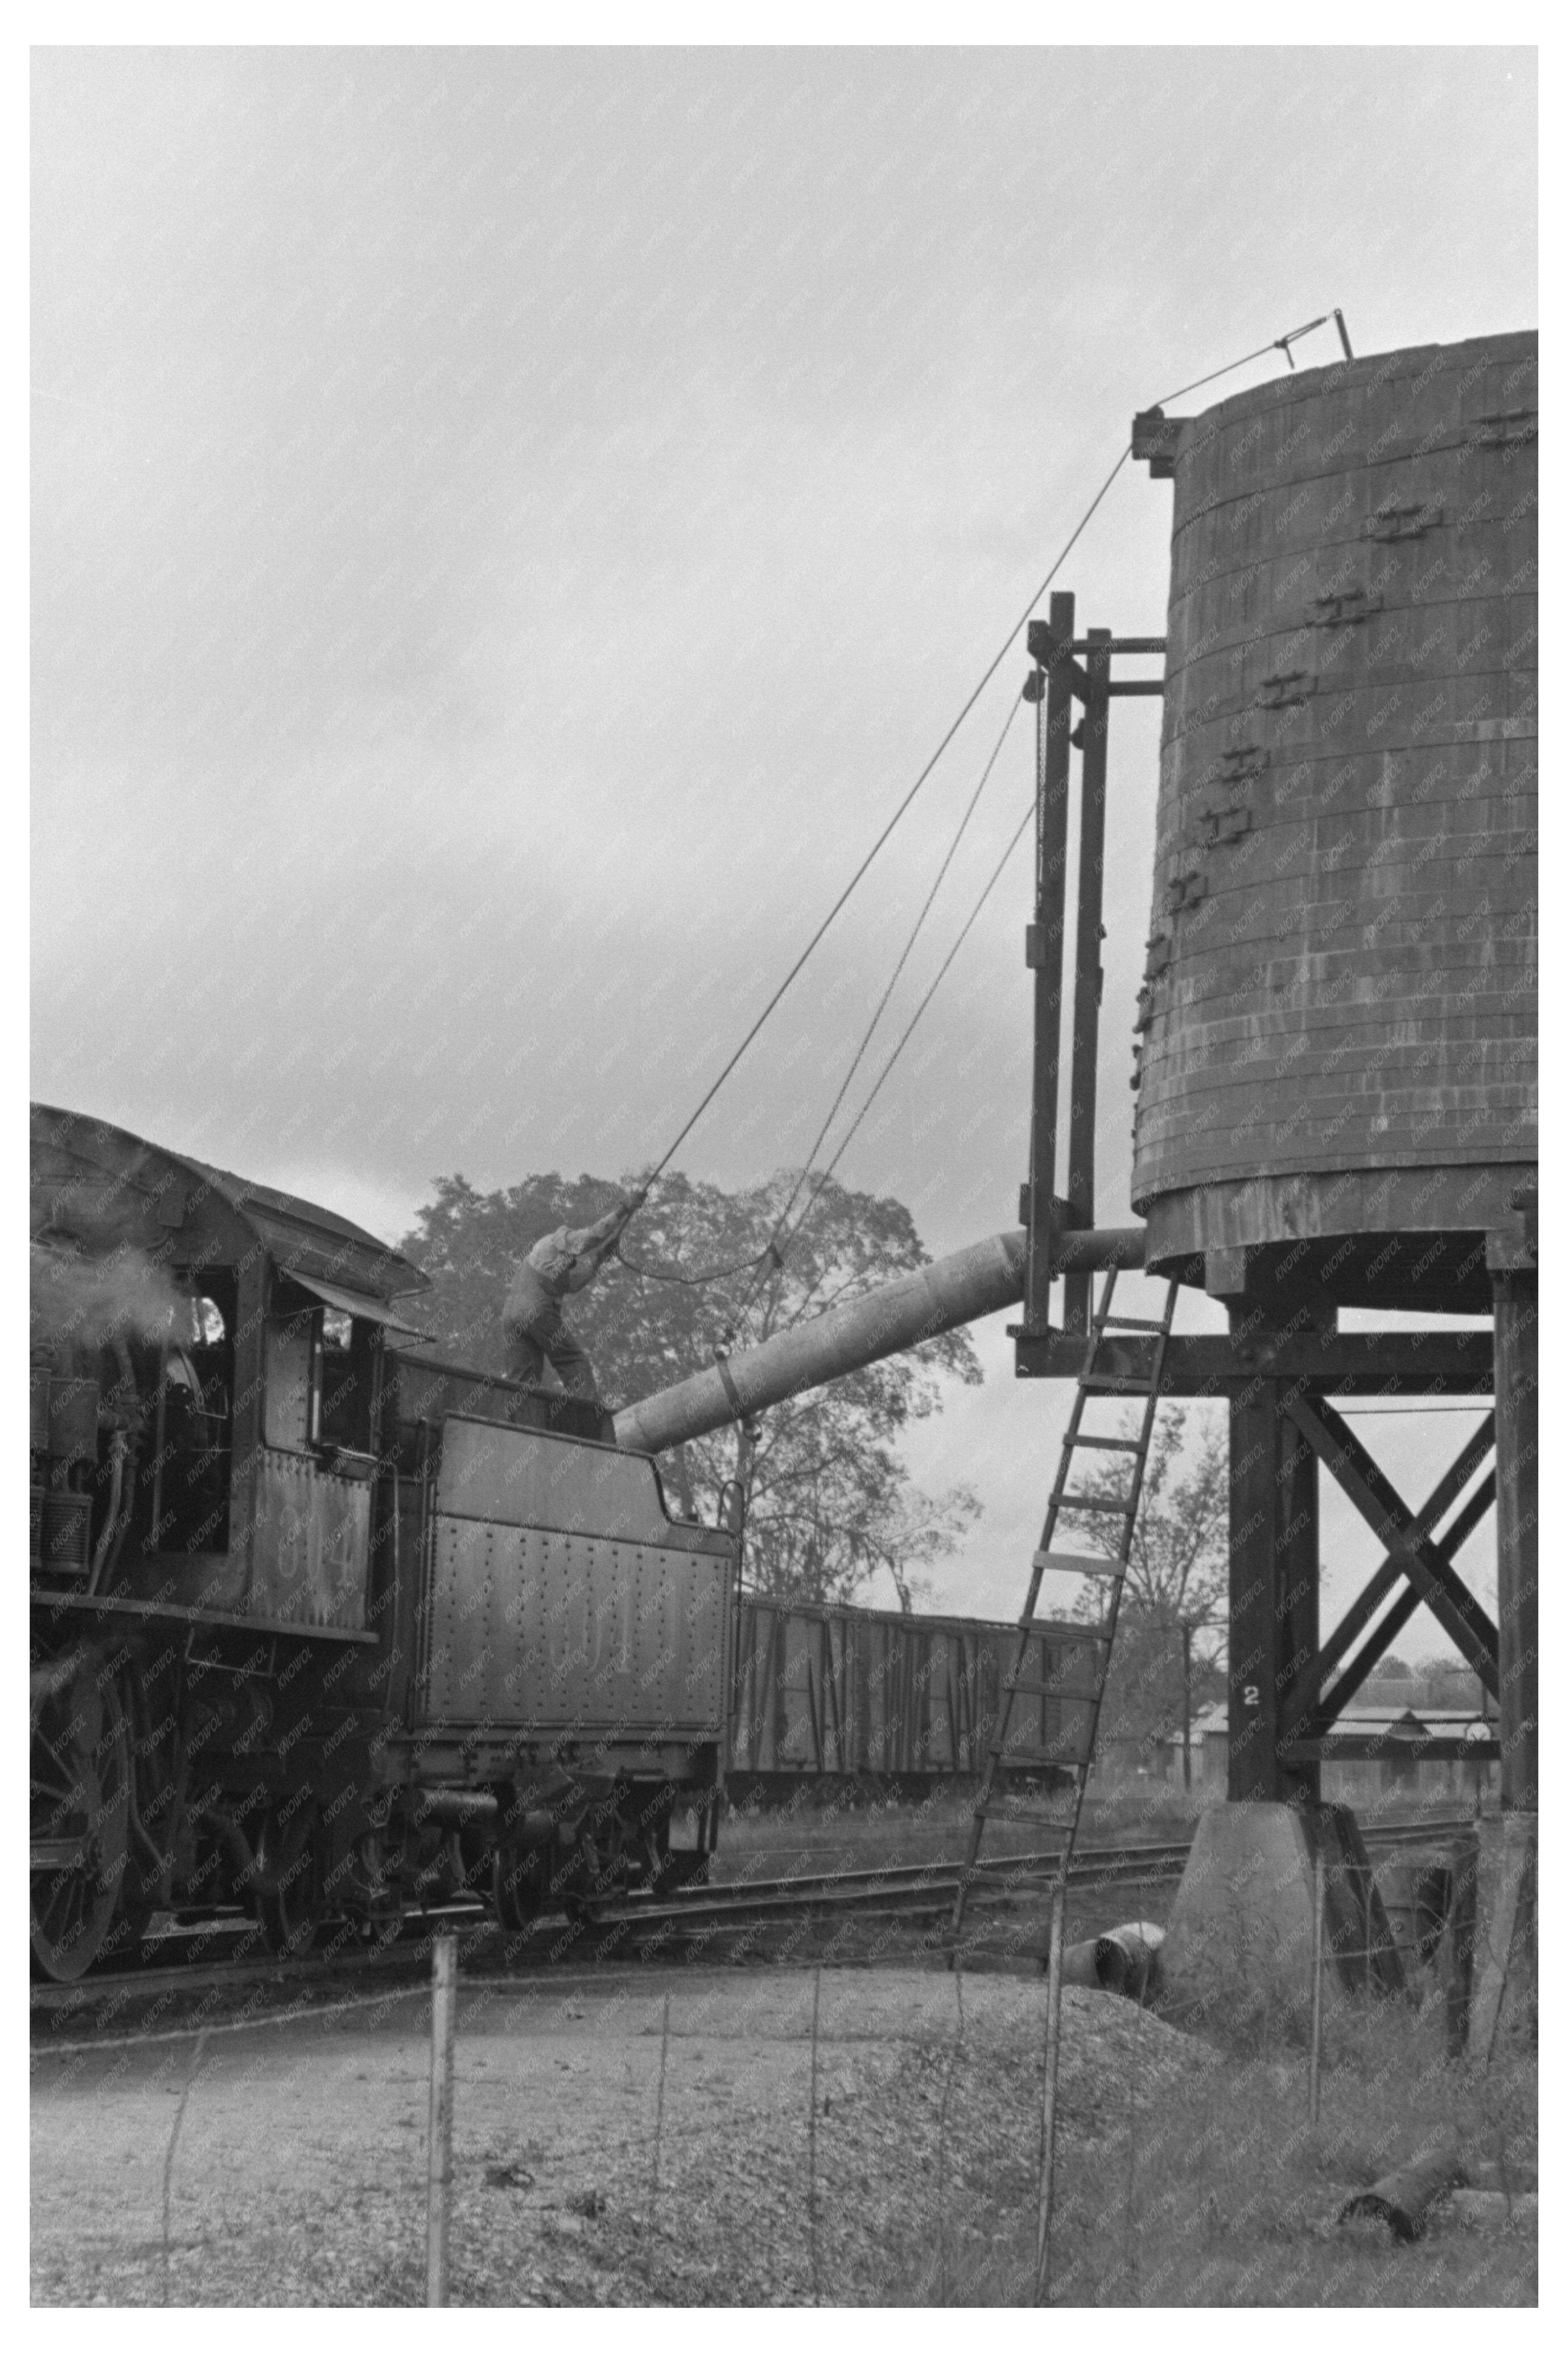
<point x="1379" y="1503"/>
<point x="1337" y="1700"/>
<point x="1087" y="977"/>
<point x="1424" y="1362"/>
<point x="1154" y="439"/>
<point x="1048" y="643"/>
<point x="1358" y="1747"/>
<point x="1046" y="946"/>
<point x="1273" y="1582"/>
<point x="1302" y="1697"/>
<point x="1514" y="1314"/>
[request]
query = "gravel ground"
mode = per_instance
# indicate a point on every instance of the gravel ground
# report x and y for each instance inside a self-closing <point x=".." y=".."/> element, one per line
<point x="601" y="2157"/>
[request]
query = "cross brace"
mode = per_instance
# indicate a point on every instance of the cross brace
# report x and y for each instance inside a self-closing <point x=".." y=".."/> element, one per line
<point x="1379" y="1503"/>
<point x="1303" y="1701"/>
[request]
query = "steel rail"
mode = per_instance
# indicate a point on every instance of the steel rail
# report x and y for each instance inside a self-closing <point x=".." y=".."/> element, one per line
<point x="700" y="1913"/>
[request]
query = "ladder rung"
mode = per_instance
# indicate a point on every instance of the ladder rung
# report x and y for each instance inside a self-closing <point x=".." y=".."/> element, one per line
<point x="1130" y="1324"/>
<point x="1081" y="1564"/>
<point x="1046" y="1690"/>
<point x="1110" y="1445"/>
<point x="1068" y="1503"/>
<point x="1117" y="1384"/>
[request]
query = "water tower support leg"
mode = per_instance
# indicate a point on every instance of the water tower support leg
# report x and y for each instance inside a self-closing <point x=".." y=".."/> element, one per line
<point x="1506" y="1963"/>
<point x="1515" y="1345"/>
<point x="1273" y="1589"/>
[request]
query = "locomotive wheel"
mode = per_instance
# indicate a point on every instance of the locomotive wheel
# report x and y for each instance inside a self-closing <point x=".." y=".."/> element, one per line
<point x="519" y="1886"/>
<point x="287" y="1897"/>
<point x="80" y="1811"/>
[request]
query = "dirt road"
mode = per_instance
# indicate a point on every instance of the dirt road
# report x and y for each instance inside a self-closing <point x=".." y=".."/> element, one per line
<point x="673" y="2138"/>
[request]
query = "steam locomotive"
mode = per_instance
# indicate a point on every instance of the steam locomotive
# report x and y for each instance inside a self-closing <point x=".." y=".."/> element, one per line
<point x="327" y="1626"/>
<point x="320" y="1622"/>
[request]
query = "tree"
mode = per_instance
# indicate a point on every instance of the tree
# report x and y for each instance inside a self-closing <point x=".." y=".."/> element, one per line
<point x="1170" y="1639"/>
<point x="828" y="1502"/>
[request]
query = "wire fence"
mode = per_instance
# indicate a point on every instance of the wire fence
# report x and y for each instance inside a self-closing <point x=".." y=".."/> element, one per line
<point x="799" y="2135"/>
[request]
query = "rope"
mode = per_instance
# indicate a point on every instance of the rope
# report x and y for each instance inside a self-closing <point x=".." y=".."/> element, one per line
<point x="990" y="672"/>
<point x="913" y="1021"/>
<point x="1280" y="342"/>
<point x="861" y="1050"/>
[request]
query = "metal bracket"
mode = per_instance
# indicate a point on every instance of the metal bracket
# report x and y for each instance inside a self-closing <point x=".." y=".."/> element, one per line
<point x="1406" y="523"/>
<point x="1224" y="825"/>
<point x="1184" y="891"/>
<point x="1285" y="690"/>
<point x="1344" y="609"/>
<point x="1241" y="764"/>
<point x="1509" y="428"/>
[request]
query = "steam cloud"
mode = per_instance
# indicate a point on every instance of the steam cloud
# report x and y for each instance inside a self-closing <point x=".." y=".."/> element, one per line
<point x="91" y="1302"/>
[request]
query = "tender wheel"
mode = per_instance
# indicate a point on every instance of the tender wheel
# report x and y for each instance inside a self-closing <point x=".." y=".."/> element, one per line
<point x="519" y="1886"/>
<point x="79" y="1812"/>
<point x="604" y="1862"/>
<point x="287" y="1896"/>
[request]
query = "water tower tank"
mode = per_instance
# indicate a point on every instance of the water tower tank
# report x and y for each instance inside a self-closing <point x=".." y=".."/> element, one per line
<point x="1338" y="1023"/>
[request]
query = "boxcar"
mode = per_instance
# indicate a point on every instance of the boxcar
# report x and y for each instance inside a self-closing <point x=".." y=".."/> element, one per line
<point x="891" y="1696"/>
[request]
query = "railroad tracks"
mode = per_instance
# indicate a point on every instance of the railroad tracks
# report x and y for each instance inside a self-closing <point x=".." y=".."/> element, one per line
<point x="727" y="1920"/>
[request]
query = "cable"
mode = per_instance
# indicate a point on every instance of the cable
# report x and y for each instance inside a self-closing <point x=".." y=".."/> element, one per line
<point x="914" y="1018"/>
<point x="1281" y="342"/>
<point x="695" y="1282"/>
<point x="991" y="670"/>
<point x="860" y="1050"/>
<point x="769" y="1251"/>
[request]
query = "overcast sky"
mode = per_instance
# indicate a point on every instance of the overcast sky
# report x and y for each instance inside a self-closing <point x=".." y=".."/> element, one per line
<point x="509" y="527"/>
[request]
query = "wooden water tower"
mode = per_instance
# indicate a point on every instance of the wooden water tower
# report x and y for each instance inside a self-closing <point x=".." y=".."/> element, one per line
<point x="1336" y="1056"/>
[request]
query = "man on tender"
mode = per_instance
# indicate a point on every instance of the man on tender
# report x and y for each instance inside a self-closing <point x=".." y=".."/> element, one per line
<point x="532" y="1320"/>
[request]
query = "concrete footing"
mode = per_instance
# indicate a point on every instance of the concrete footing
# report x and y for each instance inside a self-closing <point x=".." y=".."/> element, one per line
<point x="1238" y="1947"/>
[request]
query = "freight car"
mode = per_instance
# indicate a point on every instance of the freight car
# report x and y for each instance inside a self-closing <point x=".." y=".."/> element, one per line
<point x="317" y="1623"/>
<point x="894" y="1699"/>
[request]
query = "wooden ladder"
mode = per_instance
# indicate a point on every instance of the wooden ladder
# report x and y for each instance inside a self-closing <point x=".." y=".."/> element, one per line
<point x="1076" y="1754"/>
<point x="1111" y="1571"/>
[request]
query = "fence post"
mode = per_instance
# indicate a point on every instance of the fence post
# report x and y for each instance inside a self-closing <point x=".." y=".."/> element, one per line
<point x="443" y="2032"/>
<point x="1049" y="2101"/>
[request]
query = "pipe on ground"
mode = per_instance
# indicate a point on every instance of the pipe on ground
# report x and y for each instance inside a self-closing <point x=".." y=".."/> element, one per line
<point x="1404" y="2198"/>
<point x="934" y="1299"/>
<point x="1124" y="1960"/>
